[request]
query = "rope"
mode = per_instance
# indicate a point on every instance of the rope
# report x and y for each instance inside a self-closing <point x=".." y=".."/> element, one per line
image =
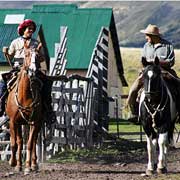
<point x="156" y="109"/>
<point x="29" y="108"/>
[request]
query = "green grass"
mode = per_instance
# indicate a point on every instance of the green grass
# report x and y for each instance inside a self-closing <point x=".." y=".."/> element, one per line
<point x="108" y="153"/>
<point x="124" y="126"/>
<point x="127" y="130"/>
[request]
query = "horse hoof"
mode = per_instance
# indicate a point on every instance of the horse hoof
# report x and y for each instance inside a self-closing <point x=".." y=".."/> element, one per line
<point x="12" y="163"/>
<point x="155" y="166"/>
<point x="18" y="168"/>
<point x="34" y="167"/>
<point x="149" y="172"/>
<point x="27" y="171"/>
<point x="162" y="171"/>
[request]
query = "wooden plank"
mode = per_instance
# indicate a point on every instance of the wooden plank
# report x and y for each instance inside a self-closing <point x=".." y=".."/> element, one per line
<point x="3" y="134"/>
<point x="77" y="140"/>
<point x="72" y="90"/>
<point x="124" y="96"/>
<point x="59" y="140"/>
<point x="9" y="152"/>
<point x="80" y="115"/>
<point x="4" y="142"/>
<point x="5" y="152"/>
<point x="56" y="88"/>
<point x="55" y="100"/>
<point x="74" y="102"/>
<point x="79" y="128"/>
<point x="82" y="78"/>
<point x="61" y="126"/>
<point x="60" y="113"/>
<point x="71" y="114"/>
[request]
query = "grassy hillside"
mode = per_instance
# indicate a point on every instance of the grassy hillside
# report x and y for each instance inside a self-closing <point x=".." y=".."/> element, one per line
<point x="132" y="65"/>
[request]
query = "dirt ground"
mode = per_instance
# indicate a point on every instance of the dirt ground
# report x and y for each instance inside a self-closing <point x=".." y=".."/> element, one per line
<point x="127" y="166"/>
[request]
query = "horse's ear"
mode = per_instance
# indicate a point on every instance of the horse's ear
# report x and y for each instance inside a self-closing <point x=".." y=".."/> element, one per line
<point x="144" y="61"/>
<point x="156" y="61"/>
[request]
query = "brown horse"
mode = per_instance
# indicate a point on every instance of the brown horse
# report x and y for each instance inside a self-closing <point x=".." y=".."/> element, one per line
<point x="24" y="107"/>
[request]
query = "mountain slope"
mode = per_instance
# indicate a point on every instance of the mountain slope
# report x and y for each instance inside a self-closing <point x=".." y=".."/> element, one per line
<point x="131" y="17"/>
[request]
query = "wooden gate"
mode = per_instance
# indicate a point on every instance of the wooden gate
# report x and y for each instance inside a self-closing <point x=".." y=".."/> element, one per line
<point x="73" y="104"/>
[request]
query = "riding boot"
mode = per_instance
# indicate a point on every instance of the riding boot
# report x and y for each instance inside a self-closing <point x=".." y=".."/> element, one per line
<point x="134" y="113"/>
<point x="3" y="95"/>
<point x="46" y="93"/>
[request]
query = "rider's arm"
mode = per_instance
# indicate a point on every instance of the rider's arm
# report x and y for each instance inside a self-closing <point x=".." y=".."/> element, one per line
<point x="169" y="60"/>
<point x="11" y="50"/>
<point x="42" y="59"/>
<point x="5" y="50"/>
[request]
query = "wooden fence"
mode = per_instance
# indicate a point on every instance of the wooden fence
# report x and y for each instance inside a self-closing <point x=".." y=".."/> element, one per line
<point x="73" y="104"/>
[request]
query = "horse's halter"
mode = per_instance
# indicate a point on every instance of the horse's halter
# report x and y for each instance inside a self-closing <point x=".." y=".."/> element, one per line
<point x="152" y="89"/>
<point x="157" y="94"/>
<point x="30" y="64"/>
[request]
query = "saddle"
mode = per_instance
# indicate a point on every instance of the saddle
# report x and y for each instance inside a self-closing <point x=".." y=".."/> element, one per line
<point x="10" y="79"/>
<point x="173" y="83"/>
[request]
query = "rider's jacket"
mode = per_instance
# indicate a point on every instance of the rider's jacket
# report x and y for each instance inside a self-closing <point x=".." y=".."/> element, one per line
<point x="163" y="50"/>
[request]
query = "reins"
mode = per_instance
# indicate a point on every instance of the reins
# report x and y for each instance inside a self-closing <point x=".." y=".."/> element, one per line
<point x="158" y="109"/>
<point x="34" y="93"/>
<point x="30" y="108"/>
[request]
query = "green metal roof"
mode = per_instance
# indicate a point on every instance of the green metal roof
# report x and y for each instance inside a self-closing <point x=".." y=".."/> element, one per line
<point x="83" y="25"/>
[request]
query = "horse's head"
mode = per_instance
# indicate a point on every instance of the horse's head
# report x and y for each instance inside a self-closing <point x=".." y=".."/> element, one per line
<point x="152" y="78"/>
<point x="31" y="63"/>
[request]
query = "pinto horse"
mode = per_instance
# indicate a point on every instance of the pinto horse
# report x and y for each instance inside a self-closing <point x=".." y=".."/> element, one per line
<point x="157" y="113"/>
<point x="24" y="107"/>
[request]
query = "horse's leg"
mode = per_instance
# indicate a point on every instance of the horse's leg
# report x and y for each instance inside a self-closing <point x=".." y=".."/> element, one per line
<point x="29" y="151"/>
<point x="34" y="164"/>
<point x="19" y="149"/>
<point x="163" y="142"/>
<point x="151" y="148"/>
<point x="13" y="127"/>
<point x="154" y="143"/>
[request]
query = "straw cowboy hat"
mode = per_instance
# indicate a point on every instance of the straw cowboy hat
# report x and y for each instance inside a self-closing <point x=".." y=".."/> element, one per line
<point x="151" y="29"/>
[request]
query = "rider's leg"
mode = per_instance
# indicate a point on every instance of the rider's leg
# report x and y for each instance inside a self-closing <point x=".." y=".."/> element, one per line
<point x="3" y="92"/>
<point x="133" y="93"/>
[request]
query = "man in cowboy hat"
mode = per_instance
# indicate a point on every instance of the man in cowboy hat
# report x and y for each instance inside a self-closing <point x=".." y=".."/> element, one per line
<point x="16" y="52"/>
<point x="155" y="46"/>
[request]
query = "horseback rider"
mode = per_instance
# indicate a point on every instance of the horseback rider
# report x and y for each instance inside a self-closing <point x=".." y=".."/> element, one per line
<point x="155" y="46"/>
<point x="16" y="52"/>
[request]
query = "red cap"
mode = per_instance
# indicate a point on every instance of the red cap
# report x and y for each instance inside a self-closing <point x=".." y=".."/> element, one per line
<point x="22" y="26"/>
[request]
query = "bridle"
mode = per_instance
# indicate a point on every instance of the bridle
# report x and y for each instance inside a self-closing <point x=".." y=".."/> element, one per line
<point x="159" y="106"/>
<point x="34" y="90"/>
